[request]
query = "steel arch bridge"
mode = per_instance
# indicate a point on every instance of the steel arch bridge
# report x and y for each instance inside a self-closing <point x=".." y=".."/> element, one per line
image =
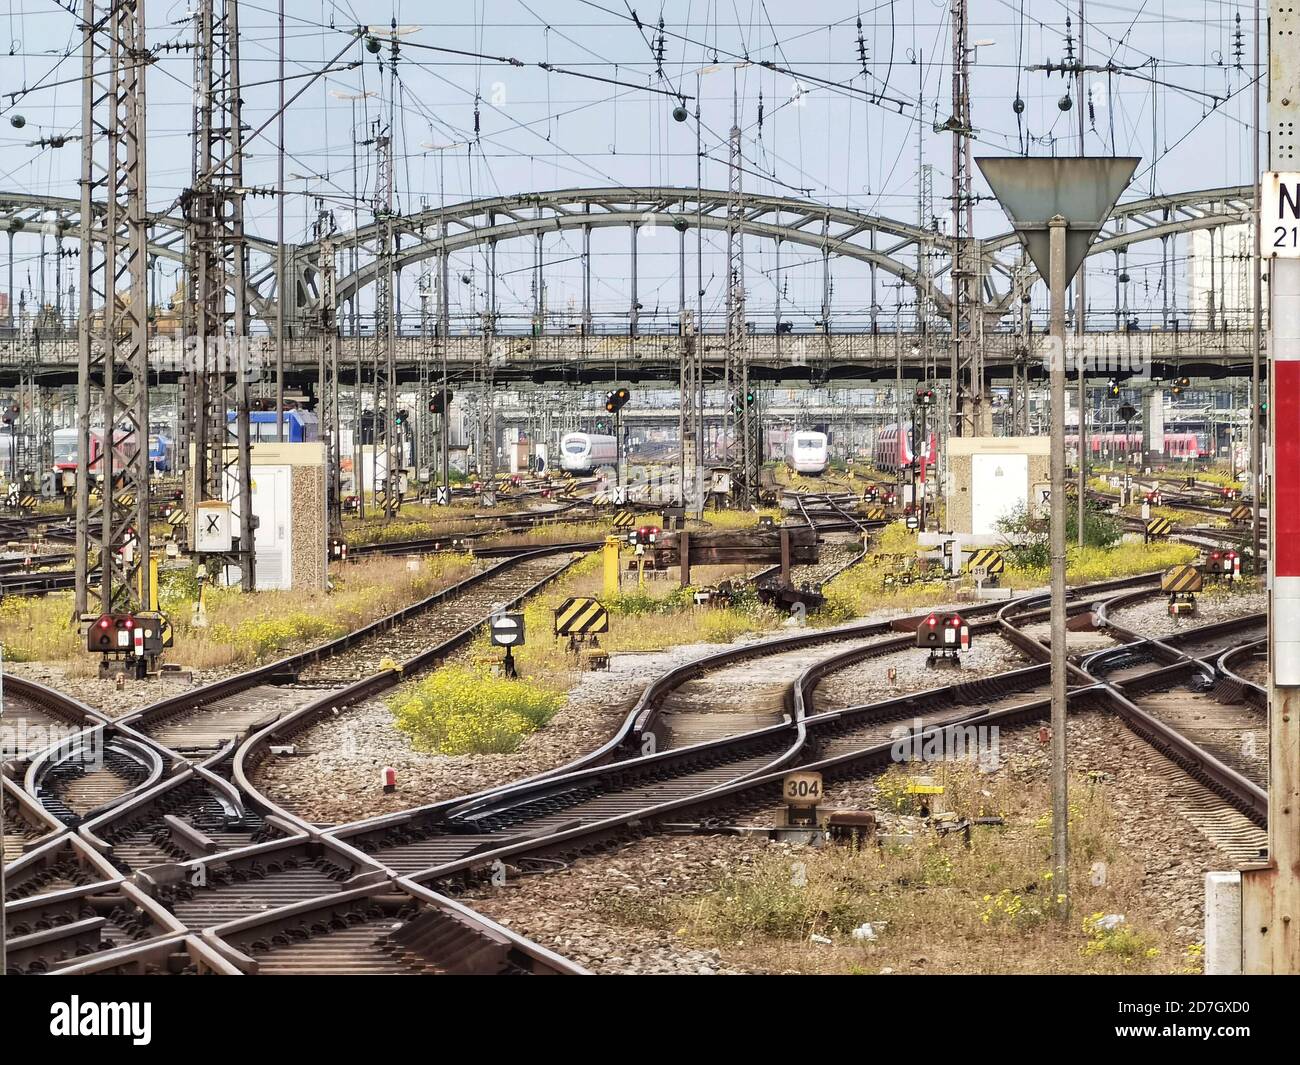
<point x="883" y="244"/>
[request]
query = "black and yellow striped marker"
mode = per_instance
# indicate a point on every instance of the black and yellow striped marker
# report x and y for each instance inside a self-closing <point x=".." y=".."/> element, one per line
<point x="1240" y="512"/>
<point x="1181" y="579"/>
<point x="177" y="517"/>
<point x="624" y="519"/>
<point x="580" y="616"/>
<point x="874" y="514"/>
<point x="991" y="560"/>
<point x="1158" y="527"/>
<point x="124" y="499"/>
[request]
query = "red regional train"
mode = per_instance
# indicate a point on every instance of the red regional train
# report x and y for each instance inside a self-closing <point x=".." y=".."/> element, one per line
<point x="895" y="449"/>
<point x="1177" y="445"/>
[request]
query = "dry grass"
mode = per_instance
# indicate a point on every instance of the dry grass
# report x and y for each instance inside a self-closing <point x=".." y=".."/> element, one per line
<point x="562" y="533"/>
<point x="242" y="629"/>
<point x="935" y="905"/>
<point x="659" y="616"/>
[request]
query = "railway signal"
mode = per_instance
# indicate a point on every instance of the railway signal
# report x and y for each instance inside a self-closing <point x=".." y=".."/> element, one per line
<point x="1113" y="390"/>
<point x="643" y="537"/>
<point x="1224" y="564"/>
<point x="925" y="397"/>
<point x="616" y="400"/>
<point x="739" y="402"/>
<point x="945" y="636"/>
<point x="440" y="401"/>
<point x="136" y="639"/>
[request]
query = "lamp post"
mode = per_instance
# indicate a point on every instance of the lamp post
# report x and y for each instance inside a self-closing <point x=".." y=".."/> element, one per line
<point x="1057" y="206"/>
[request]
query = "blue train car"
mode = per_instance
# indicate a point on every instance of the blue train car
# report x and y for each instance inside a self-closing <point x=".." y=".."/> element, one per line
<point x="161" y="452"/>
<point x="302" y="426"/>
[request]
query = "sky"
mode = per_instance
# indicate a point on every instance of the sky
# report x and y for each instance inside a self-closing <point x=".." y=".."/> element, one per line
<point x="834" y="127"/>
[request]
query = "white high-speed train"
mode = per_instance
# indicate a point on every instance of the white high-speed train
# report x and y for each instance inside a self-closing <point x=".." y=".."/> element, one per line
<point x="807" y="452"/>
<point x="584" y="452"/>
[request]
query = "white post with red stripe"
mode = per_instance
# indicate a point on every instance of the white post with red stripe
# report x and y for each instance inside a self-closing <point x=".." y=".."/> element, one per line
<point x="1271" y="890"/>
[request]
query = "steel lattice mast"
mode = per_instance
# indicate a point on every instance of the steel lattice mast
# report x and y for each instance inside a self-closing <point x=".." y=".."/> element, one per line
<point x="327" y="374"/>
<point x="113" y="366"/>
<point x="744" y="421"/>
<point x="214" y="214"/>
<point x="385" y="342"/>
<point x="965" y="354"/>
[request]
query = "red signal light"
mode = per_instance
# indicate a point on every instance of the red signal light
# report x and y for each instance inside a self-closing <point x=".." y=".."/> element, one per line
<point x="932" y="621"/>
<point x="1232" y="554"/>
<point x="103" y="623"/>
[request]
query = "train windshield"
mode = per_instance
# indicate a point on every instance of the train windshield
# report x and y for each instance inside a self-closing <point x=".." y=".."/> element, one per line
<point x="576" y="447"/>
<point x="807" y="443"/>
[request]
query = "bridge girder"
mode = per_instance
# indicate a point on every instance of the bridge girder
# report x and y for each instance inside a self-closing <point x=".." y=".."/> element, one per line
<point x="888" y="244"/>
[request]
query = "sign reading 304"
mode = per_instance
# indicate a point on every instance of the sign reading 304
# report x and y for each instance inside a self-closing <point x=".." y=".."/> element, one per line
<point x="1279" y="214"/>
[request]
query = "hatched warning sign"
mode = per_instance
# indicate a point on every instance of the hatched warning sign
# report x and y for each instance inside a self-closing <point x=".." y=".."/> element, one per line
<point x="1181" y="579"/>
<point x="1240" y="512"/>
<point x="580" y="616"/>
<point x="176" y="517"/>
<point x="1158" y="527"/>
<point x="624" y="519"/>
<point x="987" y="559"/>
<point x="874" y="514"/>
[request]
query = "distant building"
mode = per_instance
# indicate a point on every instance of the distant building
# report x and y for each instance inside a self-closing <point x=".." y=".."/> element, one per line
<point x="1218" y="277"/>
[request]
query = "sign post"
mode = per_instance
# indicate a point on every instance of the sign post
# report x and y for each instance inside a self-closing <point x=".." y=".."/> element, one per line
<point x="1057" y="205"/>
<point x="1270" y="891"/>
<point x="508" y="631"/>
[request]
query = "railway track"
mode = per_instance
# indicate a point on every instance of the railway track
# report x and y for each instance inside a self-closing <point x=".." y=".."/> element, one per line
<point x="263" y="862"/>
<point x="552" y="819"/>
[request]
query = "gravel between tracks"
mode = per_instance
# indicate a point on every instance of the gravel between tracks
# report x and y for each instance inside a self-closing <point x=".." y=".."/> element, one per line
<point x="335" y="776"/>
<point x="103" y="695"/>
<point x="338" y="778"/>
<point x="1151" y="618"/>
<point x="869" y="679"/>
